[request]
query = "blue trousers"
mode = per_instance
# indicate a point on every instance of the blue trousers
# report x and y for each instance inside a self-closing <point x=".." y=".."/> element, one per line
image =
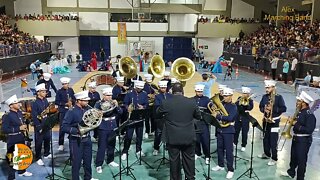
<point x="128" y="137"/>
<point x="270" y="141"/>
<point x="104" y="145"/>
<point x="243" y="126"/>
<point x="299" y="156"/>
<point x="81" y="151"/>
<point x="203" y="139"/>
<point x="225" y="144"/>
<point x="42" y="139"/>
<point x="61" y="133"/>
<point x="11" y="141"/>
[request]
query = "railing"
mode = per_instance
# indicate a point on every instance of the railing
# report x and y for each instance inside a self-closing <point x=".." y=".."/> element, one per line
<point x="302" y="54"/>
<point x="23" y="49"/>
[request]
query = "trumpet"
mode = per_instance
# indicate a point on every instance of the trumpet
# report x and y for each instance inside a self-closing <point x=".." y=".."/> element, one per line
<point x="50" y="109"/>
<point x="215" y="105"/>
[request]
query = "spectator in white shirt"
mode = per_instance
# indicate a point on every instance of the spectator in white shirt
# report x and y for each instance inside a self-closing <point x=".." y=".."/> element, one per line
<point x="293" y="68"/>
<point x="274" y="65"/>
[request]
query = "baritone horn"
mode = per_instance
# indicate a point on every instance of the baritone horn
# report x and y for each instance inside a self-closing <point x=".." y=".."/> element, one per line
<point x="183" y="69"/>
<point x="128" y="67"/>
<point x="216" y="106"/>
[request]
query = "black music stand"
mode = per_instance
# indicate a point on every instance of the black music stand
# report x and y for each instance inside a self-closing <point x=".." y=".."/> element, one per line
<point x="49" y="123"/>
<point x="250" y="172"/>
<point x="210" y="120"/>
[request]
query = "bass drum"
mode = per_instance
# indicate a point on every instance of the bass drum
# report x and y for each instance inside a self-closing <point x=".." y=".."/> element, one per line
<point x="3" y="137"/>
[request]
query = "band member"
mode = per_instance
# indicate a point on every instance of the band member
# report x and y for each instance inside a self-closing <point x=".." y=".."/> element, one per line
<point x="80" y="145"/>
<point x="179" y="132"/>
<point x="105" y="131"/>
<point x="14" y="127"/>
<point x="94" y="97"/>
<point x="221" y="87"/>
<point x="225" y="134"/>
<point x="208" y="82"/>
<point x="139" y="100"/>
<point x="117" y="72"/>
<point x="41" y="138"/>
<point x="149" y="88"/>
<point x="272" y="106"/>
<point x="203" y="136"/>
<point x="48" y="82"/>
<point x="303" y="128"/>
<point x="166" y="77"/>
<point x="244" y="105"/>
<point x="163" y="95"/>
<point x="64" y="99"/>
<point x="130" y="82"/>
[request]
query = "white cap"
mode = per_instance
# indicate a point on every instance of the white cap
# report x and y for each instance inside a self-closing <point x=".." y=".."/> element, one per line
<point x="41" y="87"/>
<point x="83" y="95"/>
<point x="166" y="73"/>
<point x="65" y="80"/>
<point x="221" y="87"/>
<point x="163" y="84"/>
<point x="13" y="99"/>
<point x="199" y="87"/>
<point x="148" y="77"/>
<point x="246" y="90"/>
<point x="46" y="76"/>
<point x="227" y="92"/>
<point x="174" y="80"/>
<point x="107" y="91"/>
<point x="305" y="97"/>
<point x="139" y="84"/>
<point x="120" y="79"/>
<point x="92" y="85"/>
<point x="269" y="83"/>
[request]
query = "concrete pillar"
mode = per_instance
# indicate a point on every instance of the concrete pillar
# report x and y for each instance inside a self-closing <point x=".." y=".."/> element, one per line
<point x="315" y="10"/>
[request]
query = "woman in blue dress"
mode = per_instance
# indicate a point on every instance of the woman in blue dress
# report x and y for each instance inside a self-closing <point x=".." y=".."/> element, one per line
<point x="217" y="67"/>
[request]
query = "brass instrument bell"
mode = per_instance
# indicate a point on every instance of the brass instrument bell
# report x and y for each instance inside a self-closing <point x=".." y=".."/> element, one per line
<point x="128" y="67"/>
<point x="183" y="69"/>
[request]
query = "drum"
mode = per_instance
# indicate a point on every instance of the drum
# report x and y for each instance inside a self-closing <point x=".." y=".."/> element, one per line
<point x="3" y="136"/>
<point x="105" y="80"/>
<point x="26" y="103"/>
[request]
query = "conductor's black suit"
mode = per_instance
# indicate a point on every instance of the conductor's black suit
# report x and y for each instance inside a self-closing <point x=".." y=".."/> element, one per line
<point x="179" y="134"/>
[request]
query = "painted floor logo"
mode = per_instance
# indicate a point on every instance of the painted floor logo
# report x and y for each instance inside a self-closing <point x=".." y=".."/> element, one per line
<point x="19" y="156"/>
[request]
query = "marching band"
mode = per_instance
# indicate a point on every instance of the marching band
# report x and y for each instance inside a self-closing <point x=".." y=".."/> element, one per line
<point x="129" y="94"/>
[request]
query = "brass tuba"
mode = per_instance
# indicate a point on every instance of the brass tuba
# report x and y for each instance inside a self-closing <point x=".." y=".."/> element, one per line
<point x="183" y="69"/>
<point x="128" y="67"/>
<point x="157" y="66"/>
<point x="92" y="118"/>
<point x="216" y="105"/>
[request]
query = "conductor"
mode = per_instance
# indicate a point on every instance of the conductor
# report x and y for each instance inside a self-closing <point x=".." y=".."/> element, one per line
<point x="179" y="132"/>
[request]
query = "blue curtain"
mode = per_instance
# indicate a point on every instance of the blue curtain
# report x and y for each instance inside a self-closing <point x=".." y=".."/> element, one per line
<point x="88" y="44"/>
<point x="175" y="47"/>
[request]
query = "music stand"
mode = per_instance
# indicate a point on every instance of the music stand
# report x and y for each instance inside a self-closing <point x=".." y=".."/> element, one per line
<point x="210" y="120"/>
<point x="250" y="172"/>
<point x="49" y="123"/>
<point x="139" y="115"/>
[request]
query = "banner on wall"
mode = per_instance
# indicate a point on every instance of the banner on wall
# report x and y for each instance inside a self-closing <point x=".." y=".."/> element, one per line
<point x="122" y="32"/>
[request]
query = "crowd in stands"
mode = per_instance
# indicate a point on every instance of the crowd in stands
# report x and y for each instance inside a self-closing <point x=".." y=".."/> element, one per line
<point x="300" y="38"/>
<point x="224" y="19"/>
<point x="14" y="42"/>
<point x="41" y="17"/>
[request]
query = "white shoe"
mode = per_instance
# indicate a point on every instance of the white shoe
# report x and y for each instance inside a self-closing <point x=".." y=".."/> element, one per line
<point x="99" y="169"/>
<point x="94" y="179"/>
<point x="272" y="162"/>
<point x="48" y="157"/>
<point x="196" y="157"/>
<point x="146" y="136"/>
<point x="229" y="175"/>
<point x="155" y="152"/>
<point x="152" y="134"/>
<point x="263" y="156"/>
<point x="142" y="154"/>
<point x="27" y="174"/>
<point x="285" y="173"/>
<point x="234" y="145"/>
<point x="207" y="161"/>
<point x="243" y="149"/>
<point x="60" y="148"/>
<point x="40" y="162"/>
<point x="217" y="168"/>
<point x="124" y="157"/>
<point x="113" y="164"/>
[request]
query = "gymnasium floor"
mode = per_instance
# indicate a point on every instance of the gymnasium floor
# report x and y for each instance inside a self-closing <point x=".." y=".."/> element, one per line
<point x="260" y="167"/>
